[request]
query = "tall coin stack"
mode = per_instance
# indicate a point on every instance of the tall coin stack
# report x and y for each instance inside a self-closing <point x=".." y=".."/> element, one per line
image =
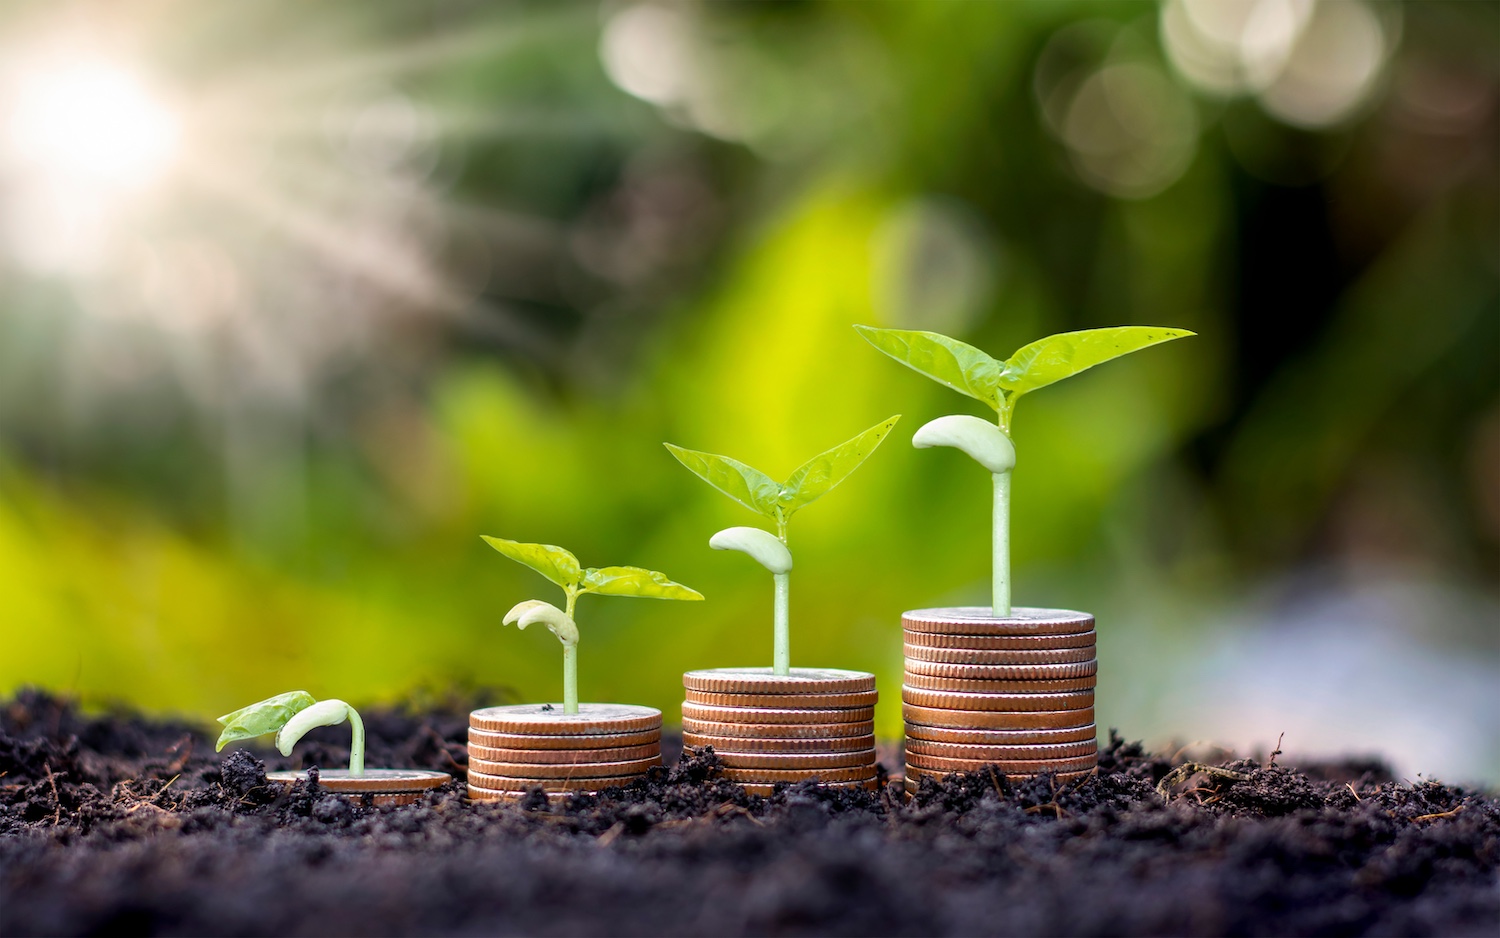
<point x="515" y="749"/>
<point x="1013" y="693"/>
<point x="815" y="723"/>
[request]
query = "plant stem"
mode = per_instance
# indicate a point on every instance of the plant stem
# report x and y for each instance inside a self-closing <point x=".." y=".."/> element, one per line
<point x="356" y="745"/>
<point x="781" y="655"/>
<point x="570" y="679"/>
<point x="1001" y="551"/>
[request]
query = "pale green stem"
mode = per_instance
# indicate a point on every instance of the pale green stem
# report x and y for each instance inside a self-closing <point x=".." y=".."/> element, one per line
<point x="1001" y="554"/>
<point x="781" y="660"/>
<point x="570" y="679"/>
<point x="356" y="745"/>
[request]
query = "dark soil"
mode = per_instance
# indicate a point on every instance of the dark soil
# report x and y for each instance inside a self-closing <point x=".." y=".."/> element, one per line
<point x="117" y="824"/>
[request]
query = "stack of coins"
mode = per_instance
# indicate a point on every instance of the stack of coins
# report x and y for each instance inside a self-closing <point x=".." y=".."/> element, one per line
<point x="1015" y="693"/>
<point x="382" y="787"/>
<point x="815" y="723"/>
<point x="515" y="749"/>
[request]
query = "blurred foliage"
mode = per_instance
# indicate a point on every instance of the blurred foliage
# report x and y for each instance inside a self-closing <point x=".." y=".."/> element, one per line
<point x="486" y="317"/>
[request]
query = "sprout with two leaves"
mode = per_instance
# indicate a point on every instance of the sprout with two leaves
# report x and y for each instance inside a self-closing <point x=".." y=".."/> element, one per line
<point x="562" y="568"/>
<point x="970" y="371"/>
<point x="777" y="501"/>
<point x="290" y="716"/>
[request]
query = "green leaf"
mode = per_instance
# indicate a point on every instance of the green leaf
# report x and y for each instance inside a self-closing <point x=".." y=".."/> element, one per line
<point x="554" y="563"/>
<point x="750" y="487"/>
<point x="959" y="365"/>
<point x="818" y="476"/>
<point x="266" y="716"/>
<point x="1061" y="356"/>
<point x="634" y="581"/>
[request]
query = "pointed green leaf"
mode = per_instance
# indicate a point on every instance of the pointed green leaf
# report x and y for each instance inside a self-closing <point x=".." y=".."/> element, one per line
<point x="818" y="476"/>
<point x="266" y="716"/>
<point x="1061" y="356"/>
<point x="554" y="563"/>
<point x="748" y="486"/>
<point x="634" y="581"/>
<point x="959" y="365"/>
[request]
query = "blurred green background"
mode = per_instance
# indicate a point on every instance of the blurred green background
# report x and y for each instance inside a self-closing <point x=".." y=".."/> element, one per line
<point x="298" y="300"/>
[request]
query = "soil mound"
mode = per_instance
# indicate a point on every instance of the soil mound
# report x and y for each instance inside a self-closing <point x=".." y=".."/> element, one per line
<point x="116" y="823"/>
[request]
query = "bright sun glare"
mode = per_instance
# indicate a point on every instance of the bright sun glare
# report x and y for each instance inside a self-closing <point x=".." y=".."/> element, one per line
<point x="92" y="124"/>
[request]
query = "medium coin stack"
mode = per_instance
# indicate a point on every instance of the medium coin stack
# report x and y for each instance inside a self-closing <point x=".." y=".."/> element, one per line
<point x="515" y="749"/>
<point x="1014" y="693"/>
<point x="815" y="723"/>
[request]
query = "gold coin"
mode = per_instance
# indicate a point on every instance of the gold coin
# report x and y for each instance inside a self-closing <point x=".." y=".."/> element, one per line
<point x="964" y="685"/>
<point x="564" y="756"/>
<point x="372" y="782"/>
<point x="591" y="719"/>
<point x="996" y="719"/>
<point x="757" y="744"/>
<point x="478" y="737"/>
<point x="765" y="790"/>
<point x="792" y="701"/>
<point x="1017" y="767"/>
<point x="486" y="794"/>
<point x="971" y="736"/>
<point x="914" y="776"/>
<point x="993" y="656"/>
<point x="977" y="620"/>
<point x="763" y="681"/>
<point x="1004" y="672"/>
<point x="694" y="711"/>
<point x="506" y="783"/>
<point x="916" y="748"/>
<point x="1048" y="642"/>
<point x="771" y="776"/>
<point x="957" y="700"/>
<point x="796" y="760"/>
<point x="775" y="731"/>
<point x="570" y="770"/>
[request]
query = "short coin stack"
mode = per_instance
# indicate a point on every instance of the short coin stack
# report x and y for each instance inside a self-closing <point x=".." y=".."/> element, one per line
<point x="815" y="723"/>
<point x="515" y="749"/>
<point x="1015" y="693"/>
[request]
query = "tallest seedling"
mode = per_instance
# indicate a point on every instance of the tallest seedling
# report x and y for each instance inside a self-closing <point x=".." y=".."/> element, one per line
<point x="1000" y="384"/>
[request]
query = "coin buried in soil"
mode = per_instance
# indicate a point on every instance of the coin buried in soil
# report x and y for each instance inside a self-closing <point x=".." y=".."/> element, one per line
<point x="506" y="783"/>
<point x="766" y="790"/>
<point x="979" y="687"/>
<point x="996" y="656"/>
<point x="1034" y="767"/>
<point x="755" y="744"/>
<point x="783" y="701"/>
<point x="564" y="756"/>
<point x="487" y="794"/>
<point x="590" y="719"/>
<point x="478" y="737"/>
<point x="1000" y="642"/>
<point x="971" y="736"/>
<point x="977" y="620"/>
<point x="693" y="711"/>
<point x="915" y="775"/>
<point x="763" y="681"/>
<point x="771" y="776"/>
<point x="996" y="702"/>
<point x="773" y="731"/>
<point x="986" y="754"/>
<point x="384" y="787"/>
<point x="539" y="770"/>
<point x="997" y="719"/>
<point x="1005" y="672"/>
<point x="797" y="760"/>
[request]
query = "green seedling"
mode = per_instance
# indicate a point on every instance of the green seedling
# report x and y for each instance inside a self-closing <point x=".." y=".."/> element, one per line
<point x="778" y="502"/>
<point x="562" y="568"/>
<point x="970" y="371"/>
<point x="290" y="716"/>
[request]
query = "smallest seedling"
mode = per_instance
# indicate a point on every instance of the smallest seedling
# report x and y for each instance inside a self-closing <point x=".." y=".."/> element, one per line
<point x="290" y="716"/>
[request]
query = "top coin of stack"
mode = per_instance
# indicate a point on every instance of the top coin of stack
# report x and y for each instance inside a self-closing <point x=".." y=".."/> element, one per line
<point x="814" y="723"/>
<point x="1015" y="693"/>
<point x="515" y="749"/>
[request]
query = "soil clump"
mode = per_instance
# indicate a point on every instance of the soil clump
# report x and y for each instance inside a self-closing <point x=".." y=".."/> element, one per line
<point x="114" y="823"/>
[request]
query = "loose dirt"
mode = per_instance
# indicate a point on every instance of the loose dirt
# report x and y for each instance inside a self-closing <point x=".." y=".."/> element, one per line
<point x="118" y="824"/>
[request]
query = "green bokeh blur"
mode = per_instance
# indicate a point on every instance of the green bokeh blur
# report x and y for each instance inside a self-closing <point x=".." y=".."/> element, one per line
<point x="405" y="274"/>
